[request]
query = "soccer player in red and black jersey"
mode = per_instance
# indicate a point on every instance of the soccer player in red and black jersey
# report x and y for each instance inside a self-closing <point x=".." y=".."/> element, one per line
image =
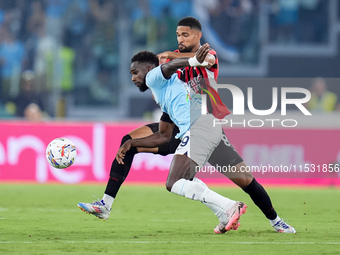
<point x="188" y="37"/>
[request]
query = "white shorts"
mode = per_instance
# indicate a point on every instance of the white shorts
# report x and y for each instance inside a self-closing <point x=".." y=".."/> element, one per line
<point x="201" y="139"/>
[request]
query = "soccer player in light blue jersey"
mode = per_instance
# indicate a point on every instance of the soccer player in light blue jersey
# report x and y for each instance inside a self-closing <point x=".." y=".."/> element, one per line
<point x="199" y="133"/>
<point x="189" y="33"/>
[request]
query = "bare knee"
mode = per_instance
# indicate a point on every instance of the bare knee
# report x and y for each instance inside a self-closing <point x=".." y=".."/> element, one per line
<point x="169" y="184"/>
<point x="142" y="132"/>
<point x="243" y="178"/>
<point x="242" y="182"/>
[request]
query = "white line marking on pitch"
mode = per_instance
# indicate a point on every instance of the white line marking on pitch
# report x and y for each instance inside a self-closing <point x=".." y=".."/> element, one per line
<point x="56" y="210"/>
<point x="163" y="242"/>
<point x="168" y="220"/>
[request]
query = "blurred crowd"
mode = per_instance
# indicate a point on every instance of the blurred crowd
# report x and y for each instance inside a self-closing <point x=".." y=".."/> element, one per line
<point x="64" y="43"/>
<point x="72" y="47"/>
<point x="322" y="99"/>
<point x="59" y="52"/>
<point x="298" y="21"/>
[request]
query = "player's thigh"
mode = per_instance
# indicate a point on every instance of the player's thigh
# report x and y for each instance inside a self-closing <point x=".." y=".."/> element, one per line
<point x="199" y="142"/>
<point x="228" y="162"/>
<point x="145" y="131"/>
<point x="182" y="167"/>
<point x="225" y="158"/>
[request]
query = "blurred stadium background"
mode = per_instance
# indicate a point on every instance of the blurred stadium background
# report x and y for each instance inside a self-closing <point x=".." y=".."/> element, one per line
<point x="64" y="71"/>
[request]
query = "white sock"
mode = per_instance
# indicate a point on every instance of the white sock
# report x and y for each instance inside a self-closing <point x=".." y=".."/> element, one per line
<point x="197" y="191"/>
<point x="108" y="201"/>
<point x="276" y="220"/>
<point x="200" y="181"/>
<point x="218" y="211"/>
<point x="209" y="196"/>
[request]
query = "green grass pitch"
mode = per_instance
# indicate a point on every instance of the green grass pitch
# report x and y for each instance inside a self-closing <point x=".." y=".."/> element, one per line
<point x="45" y="219"/>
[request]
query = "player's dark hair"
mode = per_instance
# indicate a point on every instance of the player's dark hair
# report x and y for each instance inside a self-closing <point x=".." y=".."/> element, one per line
<point x="146" y="57"/>
<point x="190" y="22"/>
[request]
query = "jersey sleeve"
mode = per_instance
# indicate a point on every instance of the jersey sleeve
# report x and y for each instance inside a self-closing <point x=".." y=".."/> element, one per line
<point x="176" y="51"/>
<point x="166" y="118"/>
<point x="214" y="67"/>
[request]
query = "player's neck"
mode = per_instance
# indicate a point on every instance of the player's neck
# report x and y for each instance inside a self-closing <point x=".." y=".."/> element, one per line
<point x="196" y="48"/>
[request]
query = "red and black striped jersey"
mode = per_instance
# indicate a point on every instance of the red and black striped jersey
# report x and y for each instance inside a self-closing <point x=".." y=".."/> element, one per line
<point x="199" y="79"/>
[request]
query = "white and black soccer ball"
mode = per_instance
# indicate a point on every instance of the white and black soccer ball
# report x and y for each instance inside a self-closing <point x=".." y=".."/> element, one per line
<point x="61" y="153"/>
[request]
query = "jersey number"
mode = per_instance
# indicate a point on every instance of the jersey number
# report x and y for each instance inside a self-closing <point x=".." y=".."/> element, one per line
<point x="225" y="140"/>
<point x="185" y="141"/>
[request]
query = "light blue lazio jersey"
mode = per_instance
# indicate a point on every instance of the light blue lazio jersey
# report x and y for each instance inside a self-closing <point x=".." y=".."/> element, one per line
<point x="175" y="98"/>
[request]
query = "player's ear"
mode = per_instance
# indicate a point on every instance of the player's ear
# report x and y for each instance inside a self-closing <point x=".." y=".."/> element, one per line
<point x="149" y="68"/>
<point x="199" y="35"/>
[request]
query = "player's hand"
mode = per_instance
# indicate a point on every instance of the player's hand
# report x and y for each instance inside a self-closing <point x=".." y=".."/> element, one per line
<point x="164" y="56"/>
<point x="122" y="152"/>
<point x="202" y="52"/>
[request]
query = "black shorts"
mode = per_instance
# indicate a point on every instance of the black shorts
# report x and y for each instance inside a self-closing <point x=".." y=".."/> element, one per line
<point x="224" y="154"/>
<point x="168" y="148"/>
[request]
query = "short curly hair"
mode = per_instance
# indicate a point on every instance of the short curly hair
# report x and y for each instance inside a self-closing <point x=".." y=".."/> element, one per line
<point x="190" y="22"/>
<point x="146" y="57"/>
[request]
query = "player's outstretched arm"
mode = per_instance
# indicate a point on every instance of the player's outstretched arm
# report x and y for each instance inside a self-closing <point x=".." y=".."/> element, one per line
<point x="171" y="67"/>
<point x="156" y="139"/>
<point x="164" y="56"/>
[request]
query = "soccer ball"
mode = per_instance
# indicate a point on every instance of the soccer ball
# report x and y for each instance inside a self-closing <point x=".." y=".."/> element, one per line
<point x="61" y="153"/>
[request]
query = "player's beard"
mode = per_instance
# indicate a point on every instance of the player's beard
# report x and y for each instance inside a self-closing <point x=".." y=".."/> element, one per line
<point x="143" y="86"/>
<point x="186" y="49"/>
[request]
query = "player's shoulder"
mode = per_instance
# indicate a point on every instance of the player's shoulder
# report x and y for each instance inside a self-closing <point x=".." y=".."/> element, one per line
<point x="175" y="51"/>
<point x="153" y="74"/>
<point x="156" y="75"/>
<point x="154" y="71"/>
<point x="212" y="52"/>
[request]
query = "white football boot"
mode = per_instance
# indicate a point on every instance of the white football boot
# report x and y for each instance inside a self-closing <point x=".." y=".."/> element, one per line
<point x="233" y="215"/>
<point x="283" y="227"/>
<point x="96" y="208"/>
